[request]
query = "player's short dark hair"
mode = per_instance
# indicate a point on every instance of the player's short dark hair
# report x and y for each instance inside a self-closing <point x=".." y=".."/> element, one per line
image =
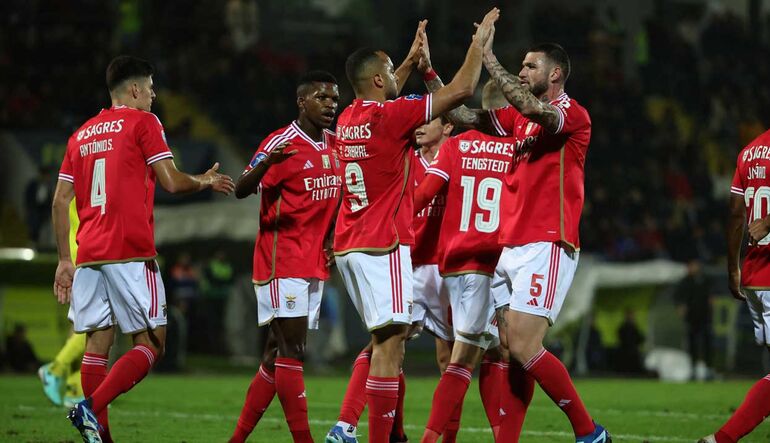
<point x="124" y="67"/>
<point x="556" y="54"/>
<point x="315" y="76"/>
<point x="357" y="63"/>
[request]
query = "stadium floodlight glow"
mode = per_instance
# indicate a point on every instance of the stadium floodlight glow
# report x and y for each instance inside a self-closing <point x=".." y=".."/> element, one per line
<point x="25" y="254"/>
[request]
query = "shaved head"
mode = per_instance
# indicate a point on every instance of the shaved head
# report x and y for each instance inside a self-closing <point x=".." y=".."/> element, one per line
<point x="492" y="97"/>
<point x="364" y="64"/>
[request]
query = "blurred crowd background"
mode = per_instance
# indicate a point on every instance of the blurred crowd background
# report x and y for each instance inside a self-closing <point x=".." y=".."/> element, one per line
<point x="674" y="88"/>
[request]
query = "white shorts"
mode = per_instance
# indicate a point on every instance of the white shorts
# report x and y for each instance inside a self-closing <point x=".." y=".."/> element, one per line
<point x="473" y="310"/>
<point x="379" y="285"/>
<point x="130" y="295"/>
<point x="290" y="298"/>
<point x="431" y="302"/>
<point x="759" y="307"/>
<point x="535" y="277"/>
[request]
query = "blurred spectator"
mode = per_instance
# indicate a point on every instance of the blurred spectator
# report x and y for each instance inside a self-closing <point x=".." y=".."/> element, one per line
<point x="630" y="339"/>
<point x="696" y="305"/>
<point x="37" y="201"/>
<point x="218" y="279"/>
<point x="19" y="354"/>
<point x="595" y="352"/>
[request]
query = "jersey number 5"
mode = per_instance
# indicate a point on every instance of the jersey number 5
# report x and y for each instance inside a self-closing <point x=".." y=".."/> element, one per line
<point x="485" y="201"/>
<point x="98" y="185"/>
<point x="761" y="205"/>
<point x="354" y="180"/>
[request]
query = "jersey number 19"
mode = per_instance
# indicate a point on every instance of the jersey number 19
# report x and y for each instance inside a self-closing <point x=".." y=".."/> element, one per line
<point x="485" y="202"/>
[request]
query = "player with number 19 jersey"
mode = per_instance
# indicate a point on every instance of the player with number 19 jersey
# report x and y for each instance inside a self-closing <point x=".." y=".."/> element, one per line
<point x="753" y="184"/>
<point x="374" y="144"/>
<point x="475" y="165"/>
<point x="108" y="161"/>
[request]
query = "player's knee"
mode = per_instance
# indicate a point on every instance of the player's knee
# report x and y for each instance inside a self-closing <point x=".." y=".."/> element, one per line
<point x="521" y="350"/>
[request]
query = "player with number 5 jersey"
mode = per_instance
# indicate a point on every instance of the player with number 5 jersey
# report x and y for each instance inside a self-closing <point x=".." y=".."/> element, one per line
<point x="110" y="165"/>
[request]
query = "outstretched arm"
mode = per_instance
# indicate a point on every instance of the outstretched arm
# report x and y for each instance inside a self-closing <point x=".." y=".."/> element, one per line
<point x="735" y="228"/>
<point x="467" y="77"/>
<point x="544" y="114"/>
<point x="175" y="181"/>
<point x="249" y="181"/>
<point x="461" y="116"/>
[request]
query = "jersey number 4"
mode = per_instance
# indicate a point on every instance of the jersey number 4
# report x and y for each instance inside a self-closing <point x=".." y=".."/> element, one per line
<point x="98" y="185"/>
<point x="487" y="199"/>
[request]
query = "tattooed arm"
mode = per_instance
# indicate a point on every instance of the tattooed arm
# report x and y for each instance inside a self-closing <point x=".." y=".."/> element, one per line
<point x="544" y="114"/>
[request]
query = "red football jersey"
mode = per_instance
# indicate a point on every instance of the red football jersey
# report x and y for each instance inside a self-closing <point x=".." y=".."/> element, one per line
<point x="544" y="195"/>
<point x="108" y="162"/>
<point x="427" y="223"/>
<point x="374" y="148"/>
<point x="298" y="199"/>
<point x="475" y="165"/>
<point x="752" y="182"/>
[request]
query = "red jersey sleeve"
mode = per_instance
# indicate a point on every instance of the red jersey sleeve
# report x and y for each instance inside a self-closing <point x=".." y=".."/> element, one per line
<point x="274" y="175"/>
<point x="571" y="118"/>
<point x="504" y="120"/>
<point x="407" y="113"/>
<point x="736" y="187"/>
<point x="152" y="139"/>
<point x="444" y="161"/>
<point x="66" y="172"/>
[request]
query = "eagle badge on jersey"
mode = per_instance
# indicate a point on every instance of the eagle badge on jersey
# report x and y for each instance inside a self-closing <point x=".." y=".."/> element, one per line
<point x="325" y="161"/>
<point x="465" y="146"/>
<point x="290" y="302"/>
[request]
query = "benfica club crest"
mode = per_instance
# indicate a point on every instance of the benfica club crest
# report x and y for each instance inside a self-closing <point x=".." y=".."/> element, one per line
<point x="290" y="302"/>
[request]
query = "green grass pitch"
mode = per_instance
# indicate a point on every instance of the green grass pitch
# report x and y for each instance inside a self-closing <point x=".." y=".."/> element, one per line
<point x="204" y="408"/>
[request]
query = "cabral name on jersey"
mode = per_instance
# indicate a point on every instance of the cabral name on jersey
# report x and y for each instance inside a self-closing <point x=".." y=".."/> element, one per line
<point x="756" y="152"/>
<point x="95" y="147"/>
<point x="100" y="128"/>
<point x="322" y="188"/>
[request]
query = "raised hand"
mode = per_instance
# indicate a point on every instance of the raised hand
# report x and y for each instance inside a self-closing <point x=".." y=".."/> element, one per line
<point x="423" y="63"/>
<point x="486" y="29"/>
<point x="219" y="182"/>
<point x="414" y="51"/>
<point x="62" y="283"/>
<point x="279" y="154"/>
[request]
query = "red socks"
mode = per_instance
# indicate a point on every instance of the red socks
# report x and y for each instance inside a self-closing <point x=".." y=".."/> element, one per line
<point x="258" y="398"/>
<point x="382" y="397"/>
<point x="129" y="370"/>
<point x="448" y="396"/>
<point x="490" y="389"/>
<point x="553" y="378"/>
<point x="355" y="395"/>
<point x="290" y="387"/>
<point x="754" y="409"/>
<point x="398" y="421"/>
<point x="93" y="371"/>
<point x="517" y="388"/>
<point x="453" y="427"/>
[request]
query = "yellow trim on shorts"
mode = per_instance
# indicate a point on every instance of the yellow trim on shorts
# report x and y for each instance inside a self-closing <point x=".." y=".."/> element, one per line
<point x="112" y="262"/>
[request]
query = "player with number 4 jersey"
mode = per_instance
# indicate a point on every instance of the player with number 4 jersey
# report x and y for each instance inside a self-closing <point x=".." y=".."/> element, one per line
<point x="111" y="165"/>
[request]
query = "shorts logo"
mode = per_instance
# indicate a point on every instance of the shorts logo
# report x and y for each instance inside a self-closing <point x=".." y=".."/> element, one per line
<point x="465" y="146"/>
<point x="164" y="310"/>
<point x="290" y="302"/>
<point x="325" y="161"/>
<point x="409" y="309"/>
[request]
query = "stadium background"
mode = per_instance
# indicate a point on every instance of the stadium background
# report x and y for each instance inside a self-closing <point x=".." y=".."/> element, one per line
<point x="674" y="88"/>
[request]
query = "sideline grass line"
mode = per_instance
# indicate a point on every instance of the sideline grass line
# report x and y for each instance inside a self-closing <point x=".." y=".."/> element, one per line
<point x="233" y="419"/>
